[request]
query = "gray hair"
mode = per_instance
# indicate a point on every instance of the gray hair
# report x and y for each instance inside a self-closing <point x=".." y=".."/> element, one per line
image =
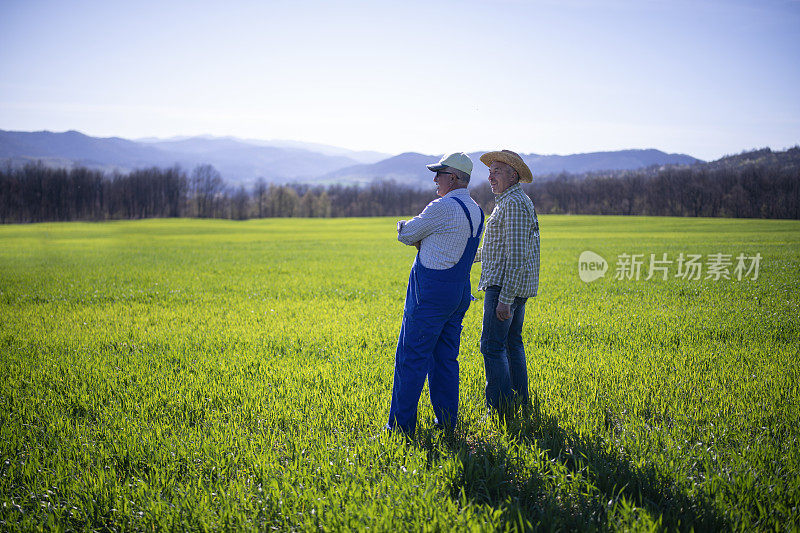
<point x="460" y="174"/>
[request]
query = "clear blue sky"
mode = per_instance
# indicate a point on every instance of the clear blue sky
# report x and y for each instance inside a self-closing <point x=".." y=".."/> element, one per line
<point x="703" y="77"/>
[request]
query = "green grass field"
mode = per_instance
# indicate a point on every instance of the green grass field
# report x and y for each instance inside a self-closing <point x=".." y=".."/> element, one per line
<point x="208" y="374"/>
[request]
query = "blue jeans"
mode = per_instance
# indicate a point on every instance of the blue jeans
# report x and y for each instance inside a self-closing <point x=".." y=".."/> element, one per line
<point x="504" y="353"/>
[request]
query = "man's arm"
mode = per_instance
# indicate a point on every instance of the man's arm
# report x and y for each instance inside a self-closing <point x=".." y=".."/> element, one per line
<point x="515" y="243"/>
<point x="413" y="231"/>
<point x="400" y="224"/>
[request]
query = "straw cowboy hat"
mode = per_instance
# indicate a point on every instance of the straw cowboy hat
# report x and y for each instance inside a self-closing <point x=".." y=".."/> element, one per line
<point x="509" y="158"/>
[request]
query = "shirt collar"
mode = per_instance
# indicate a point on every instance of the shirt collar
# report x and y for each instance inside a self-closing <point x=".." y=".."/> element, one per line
<point x="508" y="192"/>
<point x="457" y="192"/>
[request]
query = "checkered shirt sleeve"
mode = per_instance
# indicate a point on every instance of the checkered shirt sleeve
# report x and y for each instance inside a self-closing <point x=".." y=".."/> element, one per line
<point x="510" y="254"/>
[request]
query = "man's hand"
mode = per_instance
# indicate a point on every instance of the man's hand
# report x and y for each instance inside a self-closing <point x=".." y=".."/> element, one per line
<point x="503" y="311"/>
<point x="400" y="224"/>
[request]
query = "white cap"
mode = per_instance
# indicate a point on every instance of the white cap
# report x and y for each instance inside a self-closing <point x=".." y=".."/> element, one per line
<point x="458" y="160"/>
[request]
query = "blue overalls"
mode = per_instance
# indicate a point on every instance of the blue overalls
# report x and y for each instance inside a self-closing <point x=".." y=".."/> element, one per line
<point x="436" y="301"/>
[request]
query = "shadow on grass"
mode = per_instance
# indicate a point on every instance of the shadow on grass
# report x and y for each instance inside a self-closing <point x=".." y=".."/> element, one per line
<point x="574" y="484"/>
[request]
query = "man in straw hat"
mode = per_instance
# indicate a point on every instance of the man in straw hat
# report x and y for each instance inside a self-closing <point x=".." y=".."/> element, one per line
<point x="509" y="276"/>
<point x="446" y="234"/>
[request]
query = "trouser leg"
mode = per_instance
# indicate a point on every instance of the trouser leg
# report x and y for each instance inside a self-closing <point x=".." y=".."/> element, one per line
<point x="443" y="375"/>
<point x="422" y="326"/>
<point x="409" y="367"/>
<point x="398" y="412"/>
<point x="412" y="361"/>
<point x="493" y="349"/>
<point x="517" y="366"/>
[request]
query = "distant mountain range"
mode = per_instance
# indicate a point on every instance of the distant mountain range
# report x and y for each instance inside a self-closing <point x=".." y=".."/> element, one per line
<point x="245" y="160"/>
<point x="410" y="167"/>
<point x="238" y="161"/>
<point x="361" y="156"/>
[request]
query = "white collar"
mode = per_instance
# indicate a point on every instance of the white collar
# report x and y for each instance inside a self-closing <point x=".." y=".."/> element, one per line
<point x="455" y="192"/>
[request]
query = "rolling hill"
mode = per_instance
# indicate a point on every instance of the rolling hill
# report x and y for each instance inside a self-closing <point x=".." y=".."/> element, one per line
<point x="243" y="161"/>
<point x="410" y="167"/>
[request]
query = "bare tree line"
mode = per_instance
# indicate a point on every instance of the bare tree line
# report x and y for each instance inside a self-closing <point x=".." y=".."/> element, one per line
<point x="758" y="184"/>
<point x="37" y="193"/>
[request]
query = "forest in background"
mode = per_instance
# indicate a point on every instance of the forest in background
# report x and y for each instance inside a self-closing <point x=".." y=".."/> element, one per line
<point x="756" y="184"/>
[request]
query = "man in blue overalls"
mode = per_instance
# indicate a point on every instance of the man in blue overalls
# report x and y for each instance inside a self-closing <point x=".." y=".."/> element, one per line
<point x="446" y="234"/>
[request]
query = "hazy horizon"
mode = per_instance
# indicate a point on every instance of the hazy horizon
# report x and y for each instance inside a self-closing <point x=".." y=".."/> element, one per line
<point x="301" y="144"/>
<point x="707" y="79"/>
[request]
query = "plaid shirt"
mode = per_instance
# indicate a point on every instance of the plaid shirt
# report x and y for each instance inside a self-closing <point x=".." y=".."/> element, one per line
<point x="510" y="254"/>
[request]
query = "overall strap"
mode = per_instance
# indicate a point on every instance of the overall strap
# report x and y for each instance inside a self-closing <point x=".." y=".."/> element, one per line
<point x="480" y="226"/>
<point x="466" y="212"/>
